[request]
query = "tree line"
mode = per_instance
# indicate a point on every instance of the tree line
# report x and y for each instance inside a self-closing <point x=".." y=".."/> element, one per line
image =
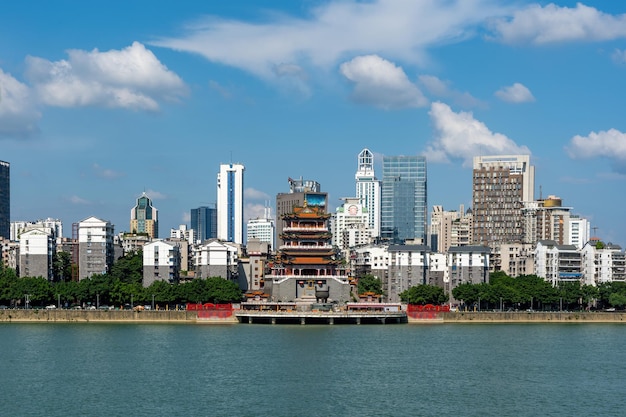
<point x="505" y="292"/>
<point x="121" y="286"/>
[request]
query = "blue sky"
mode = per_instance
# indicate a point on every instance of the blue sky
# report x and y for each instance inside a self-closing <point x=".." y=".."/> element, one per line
<point x="99" y="103"/>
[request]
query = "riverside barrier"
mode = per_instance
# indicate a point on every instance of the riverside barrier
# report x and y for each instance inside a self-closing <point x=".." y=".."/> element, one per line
<point x="183" y="316"/>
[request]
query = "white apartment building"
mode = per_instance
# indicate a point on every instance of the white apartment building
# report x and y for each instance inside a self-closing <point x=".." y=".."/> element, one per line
<point x="215" y="258"/>
<point x="55" y="226"/>
<point x="183" y="233"/>
<point x="95" y="247"/>
<point x="602" y="263"/>
<point x="408" y="267"/>
<point x="557" y="263"/>
<point x="579" y="231"/>
<point x="37" y="250"/>
<point x="514" y="259"/>
<point x="161" y="262"/>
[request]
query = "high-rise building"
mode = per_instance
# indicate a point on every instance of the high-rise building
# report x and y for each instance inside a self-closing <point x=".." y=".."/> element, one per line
<point x="262" y="229"/>
<point x="579" y="231"/>
<point x="204" y="222"/>
<point x="5" y="199"/>
<point x="404" y="199"/>
<point x="144" y="218"/>
<point x="500" y="187"/>
<point x="350" y="227"/>
<point x="368" y="190"/>
<point x="450" y="228"/>
<point x="300" y="192"/>
<point x="230" y="203"/>
<point x="95" y="247"/>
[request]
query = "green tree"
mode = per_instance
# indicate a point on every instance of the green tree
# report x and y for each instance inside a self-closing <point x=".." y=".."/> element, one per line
<point x="424" y="294"/>
<point x="62" y="266"/>
<point x="129" y="268"/>
<point x="369" y="283"/>
<point x="617" y="300"/>
<point x="219" y="290"/>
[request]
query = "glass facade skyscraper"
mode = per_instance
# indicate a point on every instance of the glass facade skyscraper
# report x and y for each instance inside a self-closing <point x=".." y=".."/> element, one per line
<point x="204" y="222"/>
<point x="404" y="198"/>
<point x="5" y="199"/>
<point x="144" y="218"/>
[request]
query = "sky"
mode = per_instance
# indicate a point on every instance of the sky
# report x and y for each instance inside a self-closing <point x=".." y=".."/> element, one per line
<point x="100" y="102"/>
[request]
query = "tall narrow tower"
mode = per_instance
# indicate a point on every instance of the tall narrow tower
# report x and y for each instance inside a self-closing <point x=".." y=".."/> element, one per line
<point x="404" y="198"/>
<point x="144" y="218"/>
<point x="5" y="199"/>
<point x="230" y="203"/>
<point x="368" y="190"/>
<point x="500" y="186"/>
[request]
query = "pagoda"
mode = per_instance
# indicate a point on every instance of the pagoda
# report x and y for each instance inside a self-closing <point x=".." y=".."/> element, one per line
<point x="307" y="269"/>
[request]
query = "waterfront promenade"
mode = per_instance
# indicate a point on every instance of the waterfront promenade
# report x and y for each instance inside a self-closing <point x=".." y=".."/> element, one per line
<point x="247" y="317"/>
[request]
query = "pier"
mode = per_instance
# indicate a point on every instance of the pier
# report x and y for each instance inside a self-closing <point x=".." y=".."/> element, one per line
<point x="320" y="317"/>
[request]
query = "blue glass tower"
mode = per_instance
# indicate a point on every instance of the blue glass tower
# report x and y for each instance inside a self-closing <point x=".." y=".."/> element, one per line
<point x="204" y="222"/>
<point x="5" y="199"/>
<point x="404" y="203"/>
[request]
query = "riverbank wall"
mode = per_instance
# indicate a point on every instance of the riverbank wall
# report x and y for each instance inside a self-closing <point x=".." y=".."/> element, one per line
<point x="192" y="317"/>
<point x="109" y="316"/>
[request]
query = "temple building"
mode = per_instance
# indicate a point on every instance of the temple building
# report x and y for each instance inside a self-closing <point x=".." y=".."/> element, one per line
<point x="307" y="269"/>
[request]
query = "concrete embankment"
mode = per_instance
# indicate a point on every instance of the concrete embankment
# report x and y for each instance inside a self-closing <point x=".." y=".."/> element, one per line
<point x="191" y="317"/>
<point x="106" y="316"/>
<point x="534" y="317"/>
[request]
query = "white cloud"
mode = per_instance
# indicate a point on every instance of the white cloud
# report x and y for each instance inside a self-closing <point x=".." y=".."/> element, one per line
<point x="254" y="211"/>
<point x="129" y="78"/>
<point x="619" y="56"/>
<point x="18" y="115"/>
<point x="155" y="195"/>
<point x="516" y="93"/>
<point x="332" y="31"/>
<point x="77" y="200"/>
<point x="106" y="173"/>
<point x="551" y="23"/>
<point x="223" y="91"/>
<point x="380" y="83"/>
<point x="253" y="194"/>
<point x="461" y="136"/>
<point x="442" y="89"/>
<point x="610" y="144"/>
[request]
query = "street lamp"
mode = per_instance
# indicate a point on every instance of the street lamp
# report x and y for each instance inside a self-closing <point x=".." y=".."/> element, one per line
<point x="500" y="304"/>
<point x="152" y="301"/>
<point x="97" y="300"/>
<point x="131" y="301"/>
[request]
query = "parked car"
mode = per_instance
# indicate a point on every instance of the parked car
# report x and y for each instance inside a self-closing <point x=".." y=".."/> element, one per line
<point x="51" y="307"/>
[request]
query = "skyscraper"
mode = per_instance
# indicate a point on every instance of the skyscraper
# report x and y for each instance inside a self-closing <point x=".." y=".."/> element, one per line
<point x="204" y="222"/>
<point x="230" y="203"/>
<point x="5" y="199"/>
<point x="404" y="198"/>
<point x="500" y="187"/>
<point x="144" y="218"/>
<point x="368" y="190"/>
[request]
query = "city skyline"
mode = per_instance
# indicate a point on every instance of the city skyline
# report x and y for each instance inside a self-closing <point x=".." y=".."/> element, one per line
<point x="96" y="108"/>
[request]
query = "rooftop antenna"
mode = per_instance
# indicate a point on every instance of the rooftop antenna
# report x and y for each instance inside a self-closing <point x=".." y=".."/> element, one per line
<point x="540" y="193"/>
<point x="595" y="229"/>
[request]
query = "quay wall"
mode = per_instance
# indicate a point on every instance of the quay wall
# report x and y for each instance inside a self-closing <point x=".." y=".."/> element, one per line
<point x="102" y="316"/>
<point x="533" y="317"/>
<point x="184" y="316"/>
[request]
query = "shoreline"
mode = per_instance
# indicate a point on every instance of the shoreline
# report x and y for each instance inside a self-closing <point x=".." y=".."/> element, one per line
<point x="192" y="317"/>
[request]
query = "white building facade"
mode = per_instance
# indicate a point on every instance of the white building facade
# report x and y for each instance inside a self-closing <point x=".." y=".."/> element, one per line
<point x="230" y="203"/>
<point x="37" y="250"/>
<point x="95" y="247"/>
<point x="161" y="262"/>
<point x="368" y="190"/>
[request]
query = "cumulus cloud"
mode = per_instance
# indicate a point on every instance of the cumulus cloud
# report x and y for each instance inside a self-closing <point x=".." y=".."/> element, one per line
<point x="329" y="32"/>
<point x="380" y="83"/>
<point x="610" y="144"/>
<point x="254" y="194"/>
<point x="516" y="93"/>
<point x="155" y="195"/>
<point x="18" y="114"/>
<point x="538" y="25"/>
<point x="442" y="89"/>
<point x="254" y="211"/>
<point x="461" y="136"/>
<point x="129" y="78"/>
